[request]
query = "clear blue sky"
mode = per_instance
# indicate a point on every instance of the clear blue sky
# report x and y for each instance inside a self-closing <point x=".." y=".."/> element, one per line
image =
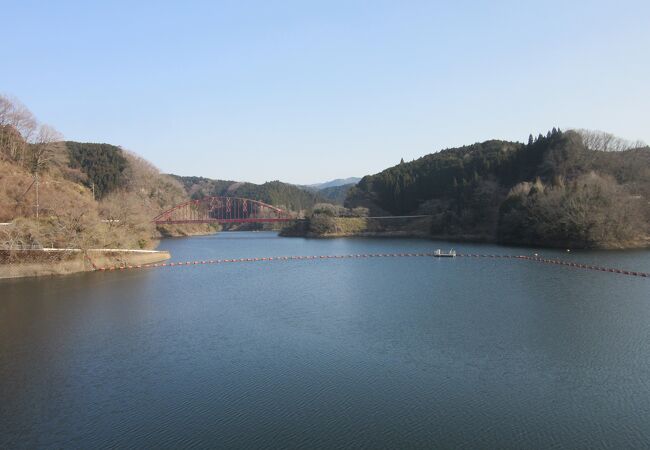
<point x="307" y="91"/>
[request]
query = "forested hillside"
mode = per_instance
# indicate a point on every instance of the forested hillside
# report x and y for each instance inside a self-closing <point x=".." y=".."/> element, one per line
<point x="573" y="189"/>
<point x="71" y="194"/>
<point x="335" y="194"/>
<point x="275" y="193"/>
<point x="334" y="191"/>
<point x="103" y="165"/>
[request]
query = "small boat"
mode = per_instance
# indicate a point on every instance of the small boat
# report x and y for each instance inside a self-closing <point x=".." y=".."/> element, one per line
<point x="440" y="254"/>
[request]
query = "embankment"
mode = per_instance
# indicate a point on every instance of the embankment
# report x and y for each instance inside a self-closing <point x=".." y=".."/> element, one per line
<point x="185" y="230"/>
<point x="35" y="263"/>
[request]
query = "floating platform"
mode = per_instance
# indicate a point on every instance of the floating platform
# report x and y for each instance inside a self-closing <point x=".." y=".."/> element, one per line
<point x="440" y="254"/>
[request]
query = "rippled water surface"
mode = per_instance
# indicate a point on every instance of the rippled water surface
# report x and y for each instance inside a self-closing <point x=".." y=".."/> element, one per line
<point x="395" y="353"/>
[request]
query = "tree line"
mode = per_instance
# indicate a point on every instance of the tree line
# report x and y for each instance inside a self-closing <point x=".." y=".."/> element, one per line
<point x="25" y="141"/>
<point x="517" y="193"/>
<point x="276" y="193"/>
<point x="67" y="194"/>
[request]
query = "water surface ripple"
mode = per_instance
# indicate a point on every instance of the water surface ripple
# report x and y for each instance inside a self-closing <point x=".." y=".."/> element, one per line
<point x="373" y="352"/>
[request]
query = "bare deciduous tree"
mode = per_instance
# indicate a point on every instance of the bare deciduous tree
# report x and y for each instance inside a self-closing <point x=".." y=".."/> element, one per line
<point x="17" y="126"/>
<point x="607" y="142"/>
<point x="45" y="148"/>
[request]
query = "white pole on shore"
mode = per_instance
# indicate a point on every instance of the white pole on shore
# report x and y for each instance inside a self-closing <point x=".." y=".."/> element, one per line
<point x="37" y="196"/>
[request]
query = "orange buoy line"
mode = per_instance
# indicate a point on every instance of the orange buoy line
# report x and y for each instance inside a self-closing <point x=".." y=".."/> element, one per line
<point x="381" y="255"/>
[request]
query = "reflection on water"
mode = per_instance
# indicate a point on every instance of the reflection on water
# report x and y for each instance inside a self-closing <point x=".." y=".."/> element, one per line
<point x="373" y="352"/>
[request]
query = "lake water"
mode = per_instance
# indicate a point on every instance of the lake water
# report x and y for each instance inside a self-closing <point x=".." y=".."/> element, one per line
<point x="381" y="353"/>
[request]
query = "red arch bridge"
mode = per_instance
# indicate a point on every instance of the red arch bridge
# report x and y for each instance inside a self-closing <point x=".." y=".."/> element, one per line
<point x="222" y="210"/>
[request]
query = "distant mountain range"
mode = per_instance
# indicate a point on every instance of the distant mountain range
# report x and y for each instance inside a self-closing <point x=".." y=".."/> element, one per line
<point x="335" y="183"/>
<point x="334" y="191"/>
<point x="293" y="197"/>
<point x="277" y="193"/>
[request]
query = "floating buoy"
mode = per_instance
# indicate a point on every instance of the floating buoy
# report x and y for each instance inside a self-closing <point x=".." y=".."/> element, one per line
<point x="535" y="258"/>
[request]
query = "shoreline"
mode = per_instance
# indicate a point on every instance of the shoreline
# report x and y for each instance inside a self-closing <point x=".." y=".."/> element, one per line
<point x="174" y="231"/>
<point x="477" y="239"/>
<point x="54" y="261"/>
<point x="64" y="261"/>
